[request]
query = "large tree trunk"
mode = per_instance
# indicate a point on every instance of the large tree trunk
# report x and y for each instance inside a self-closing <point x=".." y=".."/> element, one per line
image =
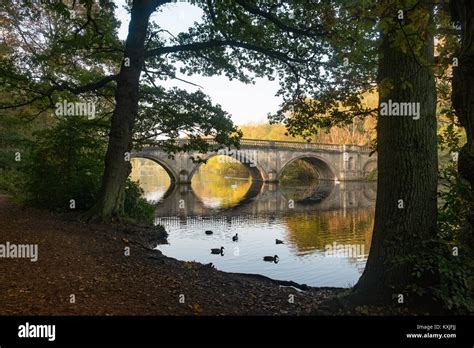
<point x="463" y="92"/>
<point x="117" y="169"/>
<point x="407" y="175"/>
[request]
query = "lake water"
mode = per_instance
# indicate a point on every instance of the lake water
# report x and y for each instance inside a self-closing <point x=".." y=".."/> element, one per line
<point x="325" y="227"/>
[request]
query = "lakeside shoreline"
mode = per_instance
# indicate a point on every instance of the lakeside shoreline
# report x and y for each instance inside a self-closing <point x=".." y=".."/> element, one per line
<point x="89" y="262"/>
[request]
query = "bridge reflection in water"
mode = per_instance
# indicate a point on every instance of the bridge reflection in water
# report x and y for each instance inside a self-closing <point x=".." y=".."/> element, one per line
<point x="307" y="219"/>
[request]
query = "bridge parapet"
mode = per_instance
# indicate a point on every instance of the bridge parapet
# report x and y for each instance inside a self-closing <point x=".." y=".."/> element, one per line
<point x="284" y="144"/>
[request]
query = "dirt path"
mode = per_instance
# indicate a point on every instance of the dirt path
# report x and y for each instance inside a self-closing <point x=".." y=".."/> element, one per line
<point x="89" y="262"/>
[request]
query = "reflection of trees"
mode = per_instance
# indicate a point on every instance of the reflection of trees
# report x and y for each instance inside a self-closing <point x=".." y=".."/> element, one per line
<point x="311" y="232"/>
<point x="224" y="166"/>
<point x="298" y="180"/>
<point x="299" y="193"/>
<point x="217" y="192"/>
<point x="150" y="175"/>
<point x="298" y="173"/>
<point x="213" y="187"/>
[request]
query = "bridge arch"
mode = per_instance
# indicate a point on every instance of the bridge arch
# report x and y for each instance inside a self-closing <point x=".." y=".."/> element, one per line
<point x="174" y="177"/>
<point x="368" y="166"/>
<point x="322" y="167"/>
<point x="256" y="172"/>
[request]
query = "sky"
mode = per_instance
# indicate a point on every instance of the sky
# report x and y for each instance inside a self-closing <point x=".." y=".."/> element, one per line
<point x="245" y="103"/>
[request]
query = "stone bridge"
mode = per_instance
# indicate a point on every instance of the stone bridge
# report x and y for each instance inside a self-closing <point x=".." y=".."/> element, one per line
<point x="266" y="159"/>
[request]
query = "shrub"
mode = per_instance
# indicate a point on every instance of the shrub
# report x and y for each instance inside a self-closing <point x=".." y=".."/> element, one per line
<point x="135" y="206"/>
<point x="66" y="163"/>
<point x="11" y="181"/>
<point x="372" y="176"/>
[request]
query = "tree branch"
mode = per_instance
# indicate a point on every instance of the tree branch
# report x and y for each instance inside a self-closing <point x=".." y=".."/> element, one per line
<point x="278" y="23"/>
<point x="199" y="46"/>
<point x="64" y="87"/>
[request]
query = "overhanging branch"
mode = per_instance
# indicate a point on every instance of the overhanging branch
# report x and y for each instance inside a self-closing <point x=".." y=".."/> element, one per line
<point x="310" y="32"/>
<point x="200" y="46"/>
<point x="65" y="87"/>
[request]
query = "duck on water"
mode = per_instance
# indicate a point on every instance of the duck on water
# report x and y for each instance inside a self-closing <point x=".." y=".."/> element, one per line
<point x="271" y="258"/>
<point x="218" y="250"/>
